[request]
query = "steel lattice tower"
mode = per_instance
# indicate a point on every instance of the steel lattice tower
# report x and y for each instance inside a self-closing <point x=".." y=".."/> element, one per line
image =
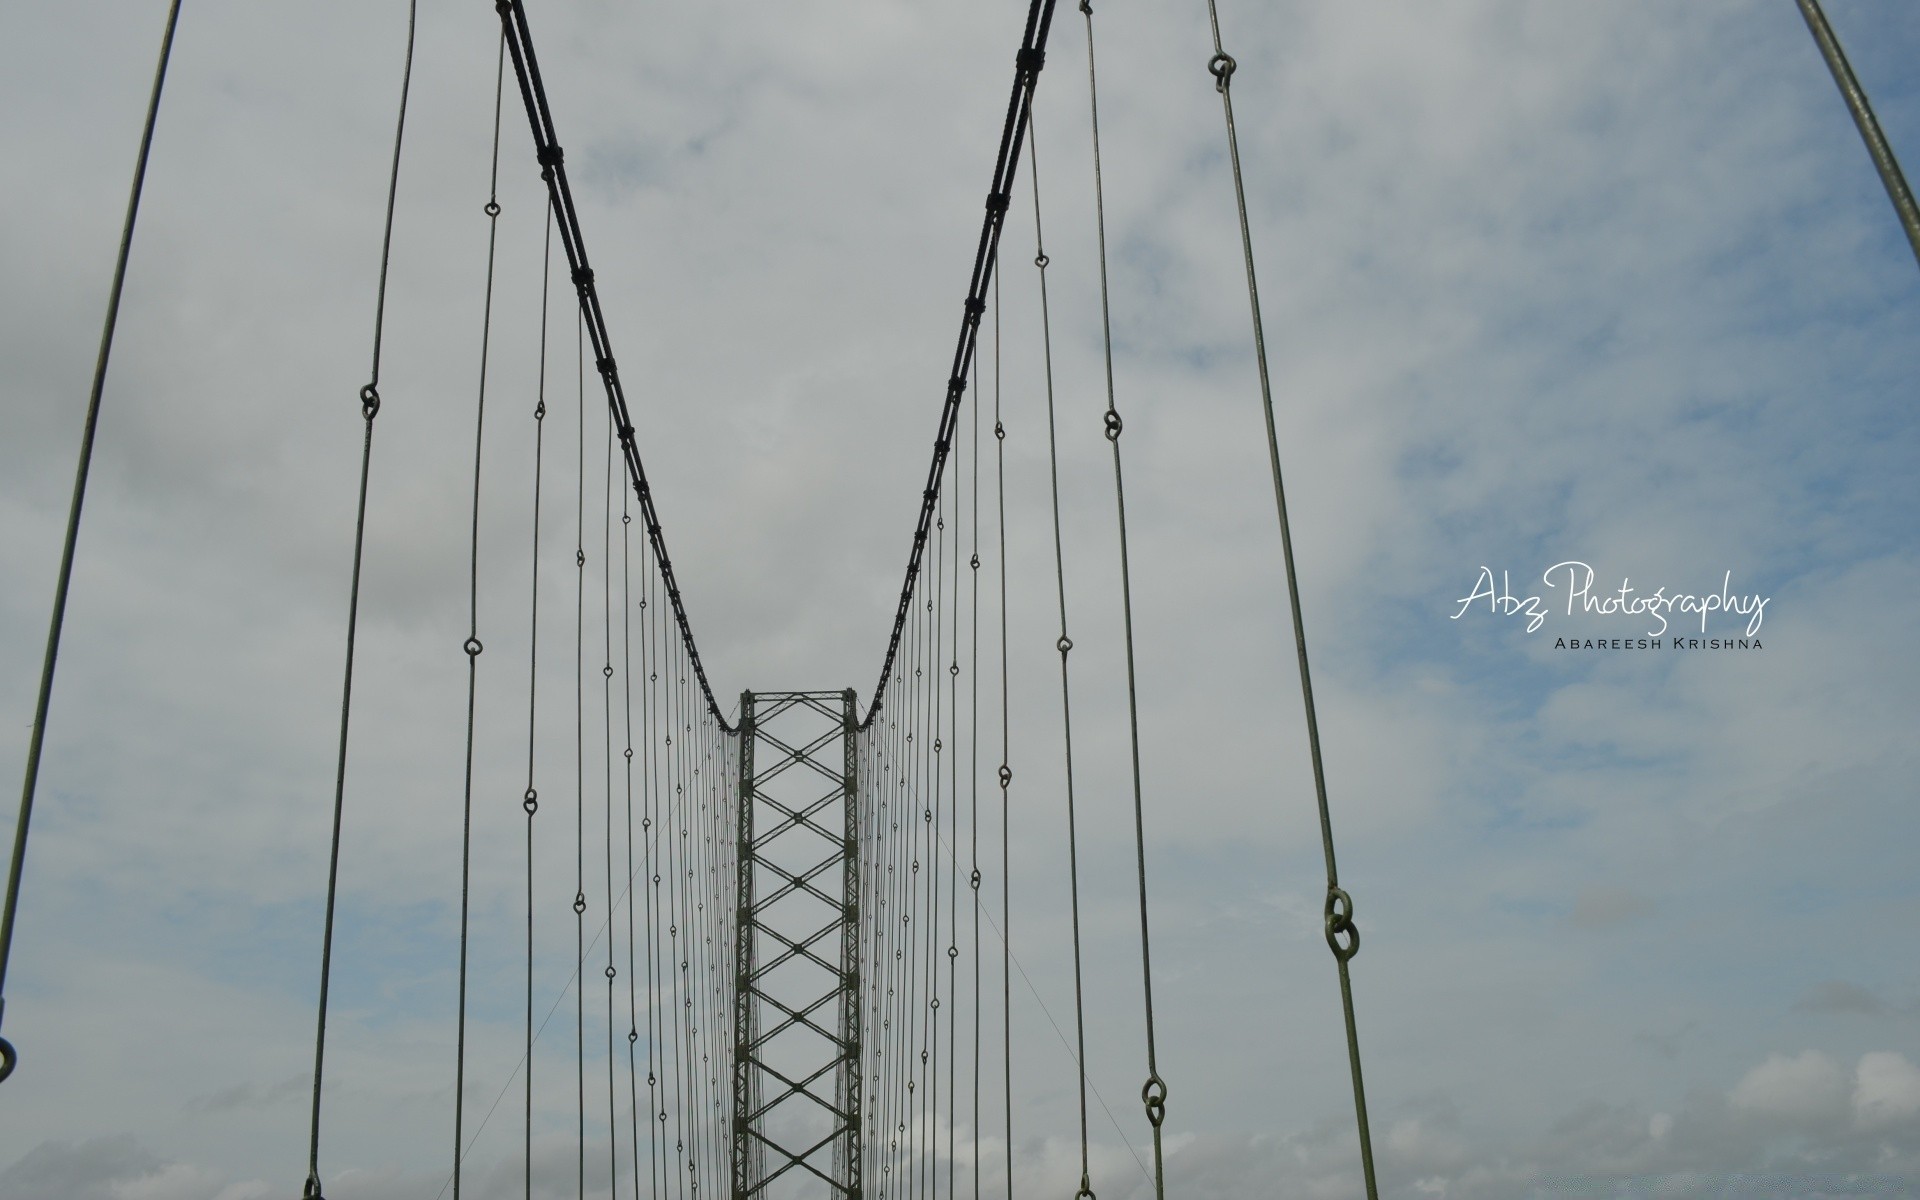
<point x="796" y="1021"/>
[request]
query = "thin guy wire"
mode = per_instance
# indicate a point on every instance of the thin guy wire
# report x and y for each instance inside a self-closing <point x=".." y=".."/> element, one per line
<point x="1065" y="646"/>
<point x="472" y="645"/>
<point x="1092" y="1088"/>
<point x="369" y="408"/>
<point x="531" y="801"/>
<point x="1153" y="1094"/>
<point x="16" y="863"/>
<point x="559" y="997"/>
<point x="1339" y="907"/>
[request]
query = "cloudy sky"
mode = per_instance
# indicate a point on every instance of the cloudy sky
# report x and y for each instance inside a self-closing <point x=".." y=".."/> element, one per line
<point x="1613" y="284"/>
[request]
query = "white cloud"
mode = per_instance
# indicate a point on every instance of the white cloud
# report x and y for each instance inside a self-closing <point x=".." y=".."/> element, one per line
<point x="1808" y="1085"/>
<point x="1886" y="1090"/>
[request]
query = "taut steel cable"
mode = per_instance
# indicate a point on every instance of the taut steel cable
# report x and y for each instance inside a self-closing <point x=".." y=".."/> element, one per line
<point x="1153" y="1094"/>
<point x="1027" y="65"/>
<point x="369" y="409"/>
<point x="16" y="863"/>
<point x="1343" y="937"/>
<point x="472" y="645"/>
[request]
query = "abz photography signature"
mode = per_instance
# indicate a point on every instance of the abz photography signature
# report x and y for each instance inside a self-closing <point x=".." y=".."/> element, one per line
<point x="1576" y="580"/>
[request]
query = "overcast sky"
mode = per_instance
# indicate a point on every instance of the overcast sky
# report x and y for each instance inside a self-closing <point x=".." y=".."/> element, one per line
<point x="1613" y="284"/>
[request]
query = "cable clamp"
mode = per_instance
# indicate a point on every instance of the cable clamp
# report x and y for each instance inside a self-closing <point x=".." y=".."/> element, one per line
<point x="551" y="155"/>
<point x="997" y="202"/>
<point x="1030" y="60"/>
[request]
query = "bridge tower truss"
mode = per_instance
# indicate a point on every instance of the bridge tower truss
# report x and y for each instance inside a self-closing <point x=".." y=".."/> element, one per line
<point x="796" y="1021"/>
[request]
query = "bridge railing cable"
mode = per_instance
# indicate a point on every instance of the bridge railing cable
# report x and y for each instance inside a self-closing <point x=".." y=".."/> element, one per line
<point x="1027" y="64"/>
<point x="552" y="159"/>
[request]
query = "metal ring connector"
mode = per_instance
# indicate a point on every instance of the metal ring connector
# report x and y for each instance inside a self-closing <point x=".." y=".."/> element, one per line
<point x="1041" y="261"/>
<point x="9" y="1058"/>
<point x="609" y="974"/>
<point x="999" y="431"/>
<point x="1339" y="917"/>
<point x="1112" y="421"/>
<point x="580" y="903"/>
<point x="540" y="411"/>
<point x="1006" y="775"/>
<point x="1154" y="1096"/>
<point x="472" y="647"/>
<point x="1064" y="644"/>
<point x="1221" y="66"/>
<point x="607" y="670"/>
<point x="493" y="208"/>
<point x="531" y="802"/>
<point x="370" y="401"/>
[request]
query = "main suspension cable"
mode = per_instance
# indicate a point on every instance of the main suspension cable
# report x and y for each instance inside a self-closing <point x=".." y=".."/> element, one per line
<point x="369" y="408"/>
<point x="1343" y="936"/>
<point x="1027" y="65"/>
<point x="553" y="170"/>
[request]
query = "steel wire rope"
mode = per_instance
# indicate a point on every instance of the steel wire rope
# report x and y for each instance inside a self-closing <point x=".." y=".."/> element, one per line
<point x="606" y="702"/>
<point x="30" y="783"/>
<point x="1005" y="774"/>
<point x="932" y="1033"/>
<point x="530" y="802"/>
<point x="369" y="409"/>
<point x="1092" y="1088"/>
<point x="626" y="683"/>
<point x="580" y="751"/>
<point x="1065" y="647"/>
<point x="1891" y="177"/>
<point x="973" y="755"/>
<point x="552" y="159"/>
<point x="1153" y="1094"/>
<point x="953" y="841"/>
<point x="1343" y="936"/>
<point x="559" y="998"/>
<point x="1027" y="66"/>
<point x="472" y="646"/>
<point x="683" y="797"/>
<point x="910" y="929"/>
<point x="680" y="1110"/>
<point x="655" y="822"/>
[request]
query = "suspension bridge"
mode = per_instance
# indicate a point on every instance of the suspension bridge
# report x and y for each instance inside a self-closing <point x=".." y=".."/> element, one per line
<point x="800" y="901"/>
